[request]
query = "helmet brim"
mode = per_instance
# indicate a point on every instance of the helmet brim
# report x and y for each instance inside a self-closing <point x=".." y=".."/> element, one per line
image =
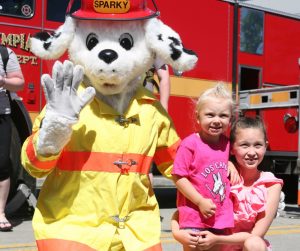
<point x="133" y="15"/>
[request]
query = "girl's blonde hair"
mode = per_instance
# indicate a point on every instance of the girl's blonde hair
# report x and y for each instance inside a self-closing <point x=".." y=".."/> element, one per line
<point x="219" y="91"/>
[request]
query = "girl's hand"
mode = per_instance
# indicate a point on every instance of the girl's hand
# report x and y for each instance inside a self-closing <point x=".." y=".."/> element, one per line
<point x="206" y="240"/>
<point x="184" y="236"/>
<point x="207" y="207"/>
<point x="187" y="237"/>
<point x="233" y="174"/>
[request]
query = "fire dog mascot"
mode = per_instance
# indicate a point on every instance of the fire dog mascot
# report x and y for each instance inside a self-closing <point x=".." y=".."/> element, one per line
<point x="100" y="130"/>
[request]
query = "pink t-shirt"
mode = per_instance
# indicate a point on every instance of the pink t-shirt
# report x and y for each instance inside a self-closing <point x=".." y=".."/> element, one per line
<point x="248" y="203"/>
<point x="205" y="166"/>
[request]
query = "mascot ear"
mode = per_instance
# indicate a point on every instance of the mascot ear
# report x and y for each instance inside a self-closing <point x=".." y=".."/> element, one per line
<point x="167" y="45"/>
<point x="52" y="46"/>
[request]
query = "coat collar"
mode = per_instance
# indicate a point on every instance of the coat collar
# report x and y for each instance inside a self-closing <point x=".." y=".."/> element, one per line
<point x="142" y="96"/>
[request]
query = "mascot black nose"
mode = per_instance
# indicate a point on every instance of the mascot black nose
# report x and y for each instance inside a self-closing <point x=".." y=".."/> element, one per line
<point x="108" y="56"/>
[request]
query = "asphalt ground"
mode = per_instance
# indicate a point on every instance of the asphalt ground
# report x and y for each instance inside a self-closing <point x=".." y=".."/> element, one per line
<point x="283" y="234"/>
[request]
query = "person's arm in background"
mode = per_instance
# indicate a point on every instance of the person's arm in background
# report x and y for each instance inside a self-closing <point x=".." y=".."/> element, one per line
<point x="164" y="85"/>
<point x="14" y="81"/>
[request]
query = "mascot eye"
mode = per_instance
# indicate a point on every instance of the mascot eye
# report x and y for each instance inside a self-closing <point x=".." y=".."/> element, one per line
<point x="126" y="41"/>
<point x="91" y="41"/>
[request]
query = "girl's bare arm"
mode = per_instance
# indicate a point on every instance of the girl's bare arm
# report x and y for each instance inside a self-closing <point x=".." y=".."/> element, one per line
<point x="265" y="219"/>
<point x="261" y="226"/>
<point x="206" y="206"/>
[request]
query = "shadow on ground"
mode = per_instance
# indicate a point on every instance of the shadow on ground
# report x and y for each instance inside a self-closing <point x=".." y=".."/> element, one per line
<point x="24" y="213"/>
<point x="291" y="211"/>
<point x="166" y="197"/>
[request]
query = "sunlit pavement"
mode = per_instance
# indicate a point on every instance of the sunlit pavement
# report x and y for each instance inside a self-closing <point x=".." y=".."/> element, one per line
<point x="284" y="233"/>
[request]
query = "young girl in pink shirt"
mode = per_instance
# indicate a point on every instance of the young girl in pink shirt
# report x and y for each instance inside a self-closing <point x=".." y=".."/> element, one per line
<point x="201" y="168"/>
<point x="255" y="198"/>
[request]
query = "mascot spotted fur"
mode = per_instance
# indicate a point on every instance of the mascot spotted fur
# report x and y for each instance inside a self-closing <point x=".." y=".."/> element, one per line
<point x="101" y="129"/>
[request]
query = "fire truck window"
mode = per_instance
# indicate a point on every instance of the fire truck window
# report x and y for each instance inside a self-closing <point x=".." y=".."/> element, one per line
<point x="249" y="78"/>
<point x="252" y="31"/>
<point x="17" y="8"/>
<point x="293" y="95"/>
<point x="56" y="9"/>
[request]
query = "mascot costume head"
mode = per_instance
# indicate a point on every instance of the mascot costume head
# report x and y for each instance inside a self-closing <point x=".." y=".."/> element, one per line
<point x="101" y="129"/>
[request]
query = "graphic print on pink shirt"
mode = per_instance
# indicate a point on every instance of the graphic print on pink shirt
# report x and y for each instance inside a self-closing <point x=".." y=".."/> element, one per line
<point x="205" y="166"/>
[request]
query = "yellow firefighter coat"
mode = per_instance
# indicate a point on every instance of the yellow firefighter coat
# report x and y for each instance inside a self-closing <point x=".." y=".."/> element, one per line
<point x="98" y="186"/>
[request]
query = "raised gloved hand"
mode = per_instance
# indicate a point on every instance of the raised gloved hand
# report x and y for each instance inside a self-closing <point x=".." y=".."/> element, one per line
<point x="63" y="106"/>
<point x="61" y="91"/>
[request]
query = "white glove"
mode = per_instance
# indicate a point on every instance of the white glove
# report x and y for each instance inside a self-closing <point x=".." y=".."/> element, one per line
<point x="63" y="106"/>
<point x="281" y="204"/>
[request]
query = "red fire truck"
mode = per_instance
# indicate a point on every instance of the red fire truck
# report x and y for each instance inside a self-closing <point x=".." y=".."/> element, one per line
<point x="252" y="46"/>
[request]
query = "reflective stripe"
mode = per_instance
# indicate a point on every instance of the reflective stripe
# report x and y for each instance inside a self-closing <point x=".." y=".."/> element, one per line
<point x="280" y="97"/>
<point x="104" y="162"/>
<point x="156" y="247"/>
<point x="34" y="160"/>
<point x="97" y="161"/>
<point x="255" y="99"/>
<point x="61" y="245"/>
<point x="166" y="155"/>
<point x="276" y="97"/>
